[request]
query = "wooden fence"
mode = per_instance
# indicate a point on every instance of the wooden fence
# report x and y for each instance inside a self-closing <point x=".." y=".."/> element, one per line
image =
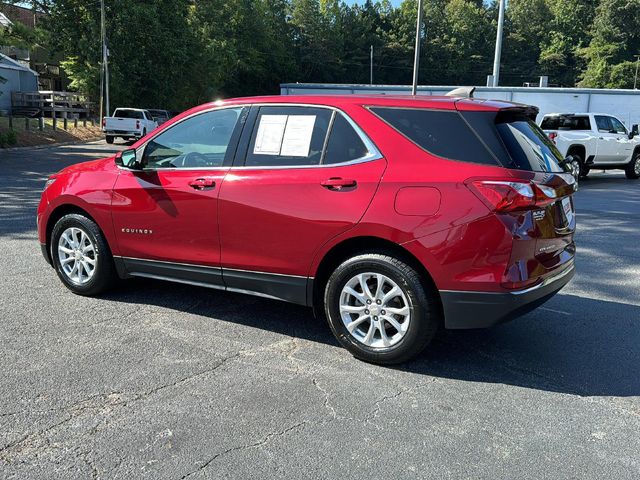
<point x="51" y="104"/>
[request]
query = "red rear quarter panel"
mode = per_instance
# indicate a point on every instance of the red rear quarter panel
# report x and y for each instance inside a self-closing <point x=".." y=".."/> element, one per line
<point x="461" y="244"/>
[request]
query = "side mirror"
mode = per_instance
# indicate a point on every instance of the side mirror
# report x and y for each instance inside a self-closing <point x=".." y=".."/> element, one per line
<point x="128" y="159"/>
<point x="634" y="131"/>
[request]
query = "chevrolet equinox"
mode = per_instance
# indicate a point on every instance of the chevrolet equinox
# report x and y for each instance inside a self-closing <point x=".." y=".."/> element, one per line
<point x="390" y="216"/>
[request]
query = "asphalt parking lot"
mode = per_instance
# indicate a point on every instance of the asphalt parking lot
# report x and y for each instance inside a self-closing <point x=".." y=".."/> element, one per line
<point x="158" y="380"/>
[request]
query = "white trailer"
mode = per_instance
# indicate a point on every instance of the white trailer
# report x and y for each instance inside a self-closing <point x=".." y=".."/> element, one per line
<point x="624" y="104"/>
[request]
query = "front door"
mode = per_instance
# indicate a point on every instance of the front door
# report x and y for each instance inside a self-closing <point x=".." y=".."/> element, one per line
<point x="166" y="216"/>
<point x="304" y="175"/>
<point x="611" y="143"/>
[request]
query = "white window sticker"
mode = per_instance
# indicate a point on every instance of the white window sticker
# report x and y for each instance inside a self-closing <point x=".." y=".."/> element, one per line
<point x="297" y="136"/>
<point x="286" y="135"/>
<point x="270" y="133"/>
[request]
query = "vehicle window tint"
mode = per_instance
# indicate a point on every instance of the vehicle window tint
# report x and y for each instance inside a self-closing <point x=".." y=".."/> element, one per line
<point x="288" y="136"/>
<point x="442" y="133"/>
<point x="125" y="113"/>
<point x="344" y="143"/>
<point x="199" y="141"/>
<point x="617" y="125"/>
<point x="604" y="124"/>
<point x="527" y="144"/>
<point x="566" y="122"/>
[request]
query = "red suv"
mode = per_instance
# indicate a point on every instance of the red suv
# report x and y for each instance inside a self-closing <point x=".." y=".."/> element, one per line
<point x="392" y="216"/>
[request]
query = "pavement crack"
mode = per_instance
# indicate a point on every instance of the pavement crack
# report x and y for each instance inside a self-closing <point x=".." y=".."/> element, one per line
<point x="327" y="404"/>
<point x="377" y="404"/>
<point x="264" y="440"/>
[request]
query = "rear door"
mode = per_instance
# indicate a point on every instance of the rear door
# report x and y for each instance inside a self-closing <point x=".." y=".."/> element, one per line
<point x="166" y="216"/>
<point x="304" y="175"/>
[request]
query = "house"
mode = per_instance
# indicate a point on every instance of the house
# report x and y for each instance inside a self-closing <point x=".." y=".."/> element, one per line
<point x="50" y="75"/>
<point x="14" y="77"/>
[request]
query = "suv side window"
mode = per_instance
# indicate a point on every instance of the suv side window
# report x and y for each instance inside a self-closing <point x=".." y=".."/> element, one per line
<point x="444" y="133"/>
<point x="288" y="136"/>
<point x="604" y="124"/>
<point x="618" y="126"/>
<point x="344" y="143"/>
<point x="197" y="142"/>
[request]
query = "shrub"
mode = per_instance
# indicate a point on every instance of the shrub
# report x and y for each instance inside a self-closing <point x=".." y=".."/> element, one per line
<point x="8" y="138"/>
<point x="12" y="138"/>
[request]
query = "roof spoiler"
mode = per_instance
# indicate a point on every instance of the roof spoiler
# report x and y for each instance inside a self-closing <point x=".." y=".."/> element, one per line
<point x="464" y="92"/>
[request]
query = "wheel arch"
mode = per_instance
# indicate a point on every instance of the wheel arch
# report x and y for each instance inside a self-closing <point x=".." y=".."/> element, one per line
<point x="357" y="245"/>
<point x="59" y="212"/>
<point x="578" y="149"/>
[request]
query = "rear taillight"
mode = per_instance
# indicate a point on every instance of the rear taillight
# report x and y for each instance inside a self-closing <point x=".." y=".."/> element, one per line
<point x="509" y="196"/>
<point x="552" y="136"/>
<point x="104" y="122"/>
<point x="137" y="124"/>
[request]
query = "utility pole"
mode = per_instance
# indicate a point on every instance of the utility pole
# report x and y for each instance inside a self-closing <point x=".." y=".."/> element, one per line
<point x="496" y="58"/>
<point x="635" y="79"/>
<point x="105" y="64"/>
<point x="371" y="67"/>
<point x="416" y="58"/>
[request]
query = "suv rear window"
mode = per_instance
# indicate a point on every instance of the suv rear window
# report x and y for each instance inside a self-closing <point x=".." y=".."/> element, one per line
<point x="441" y="132"/>
<point x="528" y="146"/>
<point x="566" y="122"/>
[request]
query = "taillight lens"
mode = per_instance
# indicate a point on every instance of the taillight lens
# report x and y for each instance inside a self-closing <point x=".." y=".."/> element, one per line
<point x="137" y="124"/>
<point x="508" y="196"/>
<point x="552" y="136"/>
<point x="104" y="122"/>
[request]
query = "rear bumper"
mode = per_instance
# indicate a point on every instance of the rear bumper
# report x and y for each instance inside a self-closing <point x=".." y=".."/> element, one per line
<point x="484" y="309"/>
<point x="122" y="133"/>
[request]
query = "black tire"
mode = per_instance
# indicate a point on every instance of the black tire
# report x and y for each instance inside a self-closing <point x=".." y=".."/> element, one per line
<point x="109" y="139"/>
<point x="425" y="317"/>
<point x="583" y="170"/>
<point x="632" y="171"/>
<point x="104" y="275"/>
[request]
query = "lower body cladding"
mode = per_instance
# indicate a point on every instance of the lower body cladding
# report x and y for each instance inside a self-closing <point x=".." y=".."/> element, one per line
<point x="290" y="288"/>
<point x="463" y="310"/>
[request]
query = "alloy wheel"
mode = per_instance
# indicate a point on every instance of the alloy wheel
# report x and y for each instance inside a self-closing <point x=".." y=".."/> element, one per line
<point x="374" y="310"/>
<point x="77" y="255"/>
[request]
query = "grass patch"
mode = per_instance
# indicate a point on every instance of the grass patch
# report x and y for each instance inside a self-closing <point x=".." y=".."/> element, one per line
<point x="21" y="136"/>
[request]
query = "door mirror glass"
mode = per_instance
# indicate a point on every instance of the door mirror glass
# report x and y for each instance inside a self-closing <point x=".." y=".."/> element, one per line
<point x="128" y="159"/>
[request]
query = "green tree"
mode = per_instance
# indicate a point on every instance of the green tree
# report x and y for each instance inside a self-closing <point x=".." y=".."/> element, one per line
<point x="570" y="31"/>
<point x="616" y="39"/>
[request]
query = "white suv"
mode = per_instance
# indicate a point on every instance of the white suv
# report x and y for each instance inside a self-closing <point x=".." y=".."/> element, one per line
<point x="595" y="140"/>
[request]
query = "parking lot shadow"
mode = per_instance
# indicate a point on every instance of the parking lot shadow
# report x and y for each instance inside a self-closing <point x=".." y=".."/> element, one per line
<point x="571" y="345"/>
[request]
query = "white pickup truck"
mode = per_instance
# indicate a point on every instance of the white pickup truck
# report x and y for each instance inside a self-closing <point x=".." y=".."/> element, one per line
<point x="128" y="123"/>
<point x="595" y="140"/>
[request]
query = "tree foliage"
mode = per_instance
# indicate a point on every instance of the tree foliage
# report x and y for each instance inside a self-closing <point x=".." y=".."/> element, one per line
<point x="176" y="53"/>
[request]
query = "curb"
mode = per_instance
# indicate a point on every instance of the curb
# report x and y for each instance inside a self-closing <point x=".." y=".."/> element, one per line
<point x="52" y="145"/>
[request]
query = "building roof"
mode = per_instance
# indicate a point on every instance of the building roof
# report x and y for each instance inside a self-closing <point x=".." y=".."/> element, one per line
<point x="9" y="63"/>
<point x="4" y="21"/>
